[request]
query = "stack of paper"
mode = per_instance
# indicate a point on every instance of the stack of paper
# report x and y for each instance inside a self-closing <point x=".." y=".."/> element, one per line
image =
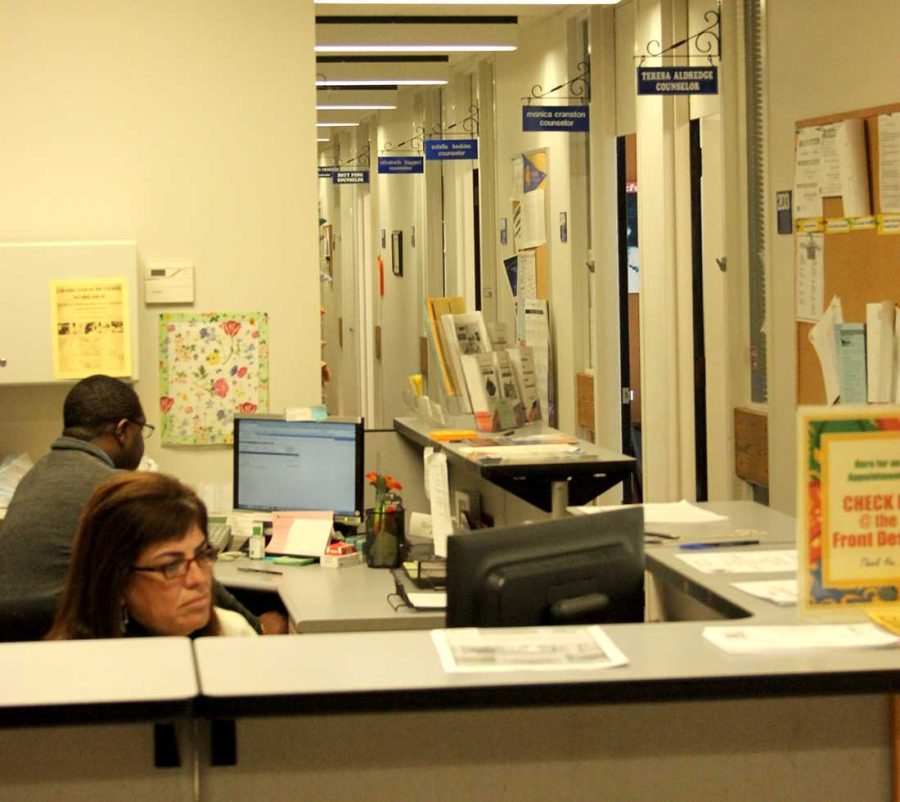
<point x="763" y="640"/>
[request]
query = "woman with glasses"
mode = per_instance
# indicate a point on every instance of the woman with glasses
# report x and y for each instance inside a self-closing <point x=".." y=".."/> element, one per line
<point x="142" y="565"/>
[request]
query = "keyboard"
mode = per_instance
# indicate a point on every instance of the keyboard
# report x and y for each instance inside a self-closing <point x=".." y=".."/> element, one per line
<point x="220" y="536"/>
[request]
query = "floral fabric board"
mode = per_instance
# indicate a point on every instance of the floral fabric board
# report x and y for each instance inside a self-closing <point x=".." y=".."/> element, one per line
<point x="211" y="365"/>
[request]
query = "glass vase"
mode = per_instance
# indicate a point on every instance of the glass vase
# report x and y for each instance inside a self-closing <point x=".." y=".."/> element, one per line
<point x="385" y="538"/>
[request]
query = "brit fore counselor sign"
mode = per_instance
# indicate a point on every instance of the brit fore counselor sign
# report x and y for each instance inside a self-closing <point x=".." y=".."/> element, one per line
<point x="678" y="80"/>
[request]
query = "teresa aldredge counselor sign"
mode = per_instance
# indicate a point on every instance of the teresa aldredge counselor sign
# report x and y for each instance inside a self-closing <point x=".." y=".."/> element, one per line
<point x="678" y="80"/>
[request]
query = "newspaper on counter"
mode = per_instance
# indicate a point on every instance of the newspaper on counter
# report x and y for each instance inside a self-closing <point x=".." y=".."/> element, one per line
<point x="526" y="649"/>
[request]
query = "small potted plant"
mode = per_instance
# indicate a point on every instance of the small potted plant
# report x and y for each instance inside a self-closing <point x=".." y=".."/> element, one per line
<point x="385" y="533"/>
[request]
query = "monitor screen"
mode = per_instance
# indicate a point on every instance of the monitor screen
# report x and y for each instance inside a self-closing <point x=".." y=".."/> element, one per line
<point x="298" y="465"/>
<point x="582" y="569"/>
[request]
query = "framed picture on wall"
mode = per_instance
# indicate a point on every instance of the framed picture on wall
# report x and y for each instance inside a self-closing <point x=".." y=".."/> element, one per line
<point x="397" y="252"/>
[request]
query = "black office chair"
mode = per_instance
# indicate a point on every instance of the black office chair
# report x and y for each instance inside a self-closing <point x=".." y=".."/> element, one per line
<point x="26" y="619"/>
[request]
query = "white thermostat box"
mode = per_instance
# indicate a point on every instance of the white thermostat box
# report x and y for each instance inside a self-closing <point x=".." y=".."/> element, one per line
<point x="169" y="284"/>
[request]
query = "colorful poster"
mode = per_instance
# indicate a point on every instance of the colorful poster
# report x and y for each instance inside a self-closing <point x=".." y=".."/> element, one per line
<point x="91" y="329"/>
<point x="849" y="507"/>
<point x="210" y="366"/>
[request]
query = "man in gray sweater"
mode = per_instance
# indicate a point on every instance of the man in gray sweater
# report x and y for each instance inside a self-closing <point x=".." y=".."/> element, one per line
<point x="104" y="428"/>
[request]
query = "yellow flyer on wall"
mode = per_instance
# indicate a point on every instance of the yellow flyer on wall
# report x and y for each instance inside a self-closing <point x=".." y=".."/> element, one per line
<point x="849" y="507"/>
<point x="91" y="330"/>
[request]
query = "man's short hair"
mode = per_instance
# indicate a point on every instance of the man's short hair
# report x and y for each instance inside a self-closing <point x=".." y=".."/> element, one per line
<point x="97" y="401"/>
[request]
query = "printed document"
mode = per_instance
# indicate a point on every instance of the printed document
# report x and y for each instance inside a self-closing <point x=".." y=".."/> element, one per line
<point x="889" y="161"/>
<point x="676" y="512"/>
<point x="782" y="592"/>
<point x="798" y="638"/>
<point x="532" y="649"/>
<point x="718" y="561"/>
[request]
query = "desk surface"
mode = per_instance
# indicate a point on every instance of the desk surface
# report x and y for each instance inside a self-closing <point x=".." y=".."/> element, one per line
<point x="369" y="671"/>
<point x="350" y="599"/>
<point x="71" y="682"/>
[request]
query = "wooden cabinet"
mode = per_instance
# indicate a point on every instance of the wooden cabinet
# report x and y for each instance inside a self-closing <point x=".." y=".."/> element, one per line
<point x="26" y="306"/>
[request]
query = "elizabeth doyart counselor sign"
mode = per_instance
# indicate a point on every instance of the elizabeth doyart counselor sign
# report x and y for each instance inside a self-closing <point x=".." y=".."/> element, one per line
<point x="555" y="118"/>
<point x="678" y="80"/>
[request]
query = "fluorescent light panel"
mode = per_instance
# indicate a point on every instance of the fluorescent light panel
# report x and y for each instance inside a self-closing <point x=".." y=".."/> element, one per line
<point x="415" y="37"/>
<point x="382" y="73"/>
<point x="463" y="3"/>
<point x="354" y="107"/>
<point x="382" y="82"/>
<point x="357" y="98"/>
<point x="415" y="48"/>
<point x="336" y="125"/>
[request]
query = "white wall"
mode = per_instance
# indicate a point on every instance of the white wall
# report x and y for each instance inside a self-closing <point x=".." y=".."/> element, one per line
<point x="399" y="310"/>
<point x="542" y="58"/>
<point x="836" y="62"/>
<point x="188" y="127"/>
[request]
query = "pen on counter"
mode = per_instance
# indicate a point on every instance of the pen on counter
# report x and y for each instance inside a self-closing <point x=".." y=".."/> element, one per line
<point x="715" y="544"/>
<point x="260" y="571"/>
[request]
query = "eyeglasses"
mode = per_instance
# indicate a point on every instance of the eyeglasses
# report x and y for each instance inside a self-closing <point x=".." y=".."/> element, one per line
<point x="179" y="568"/>
<point x="146" y="428"/>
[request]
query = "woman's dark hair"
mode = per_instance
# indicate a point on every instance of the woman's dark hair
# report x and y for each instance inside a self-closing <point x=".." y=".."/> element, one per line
<point x="125" y="515"/>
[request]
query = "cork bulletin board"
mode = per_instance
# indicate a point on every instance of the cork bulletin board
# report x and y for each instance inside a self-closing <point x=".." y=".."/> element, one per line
<point x="860" y="266"/>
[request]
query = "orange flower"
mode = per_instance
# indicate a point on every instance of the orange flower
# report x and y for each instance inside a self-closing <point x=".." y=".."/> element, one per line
<point x="231" y="327"/>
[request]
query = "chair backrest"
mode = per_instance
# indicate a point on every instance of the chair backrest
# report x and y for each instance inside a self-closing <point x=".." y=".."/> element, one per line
<point x="26" y="619"/>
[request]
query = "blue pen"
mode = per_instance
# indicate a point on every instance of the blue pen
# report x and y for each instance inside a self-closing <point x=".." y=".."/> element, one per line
<point x="716" y="544"/>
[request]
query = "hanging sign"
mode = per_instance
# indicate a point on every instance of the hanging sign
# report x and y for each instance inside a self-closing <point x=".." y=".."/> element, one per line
<point x="570" y="119"/>
<point x="326" y="171"/>
<point x="678" y="80"/>
<point x="395" y="165"/>
<point x="436" y="149"/>
<point x="849" y="507"/>
<point x="350" y="177"/>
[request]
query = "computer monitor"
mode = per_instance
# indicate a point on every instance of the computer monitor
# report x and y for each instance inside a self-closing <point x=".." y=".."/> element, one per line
<point x="582" y="569"/>
<point x="298" y="465"/>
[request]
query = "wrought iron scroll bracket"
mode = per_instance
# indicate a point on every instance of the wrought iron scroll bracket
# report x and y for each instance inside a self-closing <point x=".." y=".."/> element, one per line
<point x="468" y="126"/>
<point x="411" y="145"/>
<point x="579" y="88"/>
<point x="707" y="43"/>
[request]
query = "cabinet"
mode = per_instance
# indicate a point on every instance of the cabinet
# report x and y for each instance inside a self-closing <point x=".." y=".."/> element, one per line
<point x="28" y="268"/>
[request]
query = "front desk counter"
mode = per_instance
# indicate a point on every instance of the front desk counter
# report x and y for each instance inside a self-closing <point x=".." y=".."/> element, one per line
<point x="97" y="720"/>
<point x="373" y="715"/>
<point x="349" y="599"/>
<point x="550" y="483"/>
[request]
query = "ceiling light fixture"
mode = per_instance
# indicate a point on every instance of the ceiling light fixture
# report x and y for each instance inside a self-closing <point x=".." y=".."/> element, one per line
<point x="336" y="125"/>
<point x="383" y="82"/>
<point x="415" y="48"/>
<point x="355" y="107"/>
<point x="465" y="2"/>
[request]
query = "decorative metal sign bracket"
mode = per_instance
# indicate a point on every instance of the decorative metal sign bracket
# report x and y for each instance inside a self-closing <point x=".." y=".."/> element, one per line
<point x="707" y="43"/>
<point x="468" y="126"/>
<point x="579" y="87"/>
<point x="361" y="159"/>
<point x="411" y="145"/>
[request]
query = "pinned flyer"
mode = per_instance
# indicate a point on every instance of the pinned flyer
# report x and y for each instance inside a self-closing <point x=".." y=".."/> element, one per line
<point x="848" y="501"/>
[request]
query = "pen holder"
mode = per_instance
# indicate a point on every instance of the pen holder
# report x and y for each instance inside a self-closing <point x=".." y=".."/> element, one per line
<point x="385" y="538"/>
